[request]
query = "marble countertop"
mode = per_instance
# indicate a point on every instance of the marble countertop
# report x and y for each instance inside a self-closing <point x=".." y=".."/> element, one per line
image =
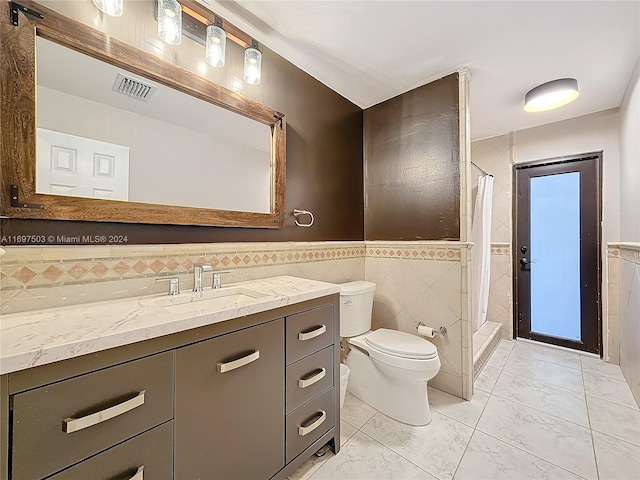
<point x="40" y="337"/>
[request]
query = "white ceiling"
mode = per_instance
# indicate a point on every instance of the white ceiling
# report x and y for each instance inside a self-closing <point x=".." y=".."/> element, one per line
<point x="370" y="51"/>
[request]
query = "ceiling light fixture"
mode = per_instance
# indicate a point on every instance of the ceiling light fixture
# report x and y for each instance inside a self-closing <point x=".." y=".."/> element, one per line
<point x="170" y="21"/>
<point x="252" y="64"/>
<point x="551" y="95"/>
<point x="110" y="7"/>
<point x="216" y="43"/>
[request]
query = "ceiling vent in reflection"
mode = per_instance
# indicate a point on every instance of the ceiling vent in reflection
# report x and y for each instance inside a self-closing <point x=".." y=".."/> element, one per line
<point x="133" y="88"/>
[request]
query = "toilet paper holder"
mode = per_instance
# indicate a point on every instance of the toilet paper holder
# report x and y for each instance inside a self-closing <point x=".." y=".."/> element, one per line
<point x="433" y="331"/>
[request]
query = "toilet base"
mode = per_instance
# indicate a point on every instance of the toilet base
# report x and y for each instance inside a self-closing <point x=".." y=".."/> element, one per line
<point x="402" y="399"/>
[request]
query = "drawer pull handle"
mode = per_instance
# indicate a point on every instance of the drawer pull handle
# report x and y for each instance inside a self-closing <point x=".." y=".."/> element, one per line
<point x="70" y="425"/>
<point x="306" y="382"/>
<point x="139" y="475"/>
<point x="302" y="431"/>
<point x="312" y="334"/>
<point x="241" y="362"/>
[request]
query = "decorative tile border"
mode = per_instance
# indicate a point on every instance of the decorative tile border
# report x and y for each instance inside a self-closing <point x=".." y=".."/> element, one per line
<point x="442" y="251"/>
<point x="629" y="251"/>
<point x="482" y="357"/>
<point x="37" y="267"/>
<point x="500" y="249"/>
<point x="89" y="265"/>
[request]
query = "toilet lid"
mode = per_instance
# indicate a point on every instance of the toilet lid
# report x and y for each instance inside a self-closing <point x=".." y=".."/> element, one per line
<point x="401" y="344"/>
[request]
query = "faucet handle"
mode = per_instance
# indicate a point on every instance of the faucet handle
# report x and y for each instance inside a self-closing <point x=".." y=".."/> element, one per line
<point x="217" y="283"/>
<point x="203" y="266"/>
<point x="174" y="284"/>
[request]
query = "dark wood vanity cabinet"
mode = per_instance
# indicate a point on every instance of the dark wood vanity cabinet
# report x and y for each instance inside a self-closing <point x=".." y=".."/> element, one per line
<point x="253" y="397"/>
<point x="229" y="416"/>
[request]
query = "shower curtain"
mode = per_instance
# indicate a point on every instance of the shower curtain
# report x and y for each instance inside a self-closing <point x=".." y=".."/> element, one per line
<point x="481" y="251"/>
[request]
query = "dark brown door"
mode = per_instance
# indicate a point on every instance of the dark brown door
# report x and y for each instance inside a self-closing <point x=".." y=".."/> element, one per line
<point x="556" y="257"/>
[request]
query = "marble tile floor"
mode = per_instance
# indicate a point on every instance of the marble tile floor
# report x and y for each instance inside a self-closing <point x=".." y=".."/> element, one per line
<point x="537" y="413"/>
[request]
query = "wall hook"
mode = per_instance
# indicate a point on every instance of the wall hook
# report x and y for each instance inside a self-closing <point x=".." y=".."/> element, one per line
<point x="297" y="213"/>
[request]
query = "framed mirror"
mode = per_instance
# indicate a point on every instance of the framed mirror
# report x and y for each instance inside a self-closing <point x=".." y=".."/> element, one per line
<point x="77" y="145"/>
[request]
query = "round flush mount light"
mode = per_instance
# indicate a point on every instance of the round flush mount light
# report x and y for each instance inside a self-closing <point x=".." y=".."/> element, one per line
<point x="551" y="95"/>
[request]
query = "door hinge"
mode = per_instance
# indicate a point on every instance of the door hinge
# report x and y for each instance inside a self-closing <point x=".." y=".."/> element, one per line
<point x="15" y="200"/>
<point x="16" y="7"/>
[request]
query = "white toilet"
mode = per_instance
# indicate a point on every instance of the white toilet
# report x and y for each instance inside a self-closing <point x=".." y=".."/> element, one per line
<point x="389" y="369"/>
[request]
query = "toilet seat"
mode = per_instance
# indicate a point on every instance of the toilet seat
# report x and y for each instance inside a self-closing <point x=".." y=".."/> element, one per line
<point x="401" y="344"/>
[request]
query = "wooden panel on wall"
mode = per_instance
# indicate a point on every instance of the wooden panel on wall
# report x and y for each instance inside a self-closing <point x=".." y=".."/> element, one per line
<point x="324" y="143"/>
<point x="412" y="164"/>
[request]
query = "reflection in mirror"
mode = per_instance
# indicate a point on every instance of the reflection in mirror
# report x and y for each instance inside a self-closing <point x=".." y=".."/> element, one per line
<point x="165" y="148"/>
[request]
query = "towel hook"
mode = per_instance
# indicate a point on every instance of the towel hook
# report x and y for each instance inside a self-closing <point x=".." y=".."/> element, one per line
<point x="297" y="213"/>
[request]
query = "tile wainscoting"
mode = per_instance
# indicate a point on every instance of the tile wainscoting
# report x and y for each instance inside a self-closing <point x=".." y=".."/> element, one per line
<point x="41" y="277"/>
<point x="426" y="282"/>
<point x="417" y="281"/>
<point x="500" y="308"/>
<point x="623" y="314"/>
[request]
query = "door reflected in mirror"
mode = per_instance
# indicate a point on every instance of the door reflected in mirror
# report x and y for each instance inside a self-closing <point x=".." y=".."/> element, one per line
<point x="106" y="133"/>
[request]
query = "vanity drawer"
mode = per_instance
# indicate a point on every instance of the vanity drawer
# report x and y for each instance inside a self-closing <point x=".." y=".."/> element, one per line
<point x="309" y="422"/>
<point x="97" y="410"/>
<point x="308" y="332"/>
<point x="308" y="377"/>
<point x="149" y="456"/>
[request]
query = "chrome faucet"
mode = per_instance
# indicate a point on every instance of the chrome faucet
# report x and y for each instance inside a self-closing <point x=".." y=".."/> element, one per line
<point x="217" y="282"/>
<point x="174" y="284"/>
<point x="198" y="270"/>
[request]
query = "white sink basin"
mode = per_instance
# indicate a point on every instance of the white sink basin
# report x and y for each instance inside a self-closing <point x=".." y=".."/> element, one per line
<point x="209" y="300"/>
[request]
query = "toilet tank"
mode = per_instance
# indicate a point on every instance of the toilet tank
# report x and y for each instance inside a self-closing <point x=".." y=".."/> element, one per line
<point x="356" y="303"/>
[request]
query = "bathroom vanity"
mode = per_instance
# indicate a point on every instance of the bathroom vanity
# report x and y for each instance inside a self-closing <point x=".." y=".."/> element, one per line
<point x="239" y="383"/>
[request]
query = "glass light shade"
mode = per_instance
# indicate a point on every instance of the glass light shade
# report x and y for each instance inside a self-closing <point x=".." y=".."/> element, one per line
<point x="551" y="95"/>
<point x="112" y="8"/>
<point x="252" y="66"/>
<point x="216" y="46"/>
<point x="170" y="21"/>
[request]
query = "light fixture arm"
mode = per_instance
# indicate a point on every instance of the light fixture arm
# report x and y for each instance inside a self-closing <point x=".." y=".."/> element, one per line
<point x="200" y="14"/>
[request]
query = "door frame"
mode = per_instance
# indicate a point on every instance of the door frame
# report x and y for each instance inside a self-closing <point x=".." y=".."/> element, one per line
<point x="598" y="156"/>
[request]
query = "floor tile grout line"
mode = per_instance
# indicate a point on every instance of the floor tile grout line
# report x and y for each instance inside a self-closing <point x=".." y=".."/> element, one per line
<point x="593" y="443"/>
<point x="466" y="447"/>
<point x="547" y="383"/>
<point x="610" y="378"/>
<point x="491" y="394"/>
<point x="402" y="456"/>
<point x="616" y="438"/>
<point x="532" y="454"/>
<point x="455" y="419"/>
<point x="543" y="411"/>
<point x="548" y="362"/>
<point x="611" y="401"/>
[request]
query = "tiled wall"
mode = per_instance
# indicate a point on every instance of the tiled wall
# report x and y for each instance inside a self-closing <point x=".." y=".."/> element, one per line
<point x="624" y="307"/>
<point x="40" y="277"/>
<point x="613" y="305"/>
<point x="495" y="155"/>
<point x="416" y="281"/>
<point x="424" y="282"/>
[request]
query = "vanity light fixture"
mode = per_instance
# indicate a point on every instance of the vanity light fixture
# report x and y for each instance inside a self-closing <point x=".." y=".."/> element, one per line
<point x="113" y="8"/>
<point x="216" y="43"/>
<point x="252" y="64"/>
<point x="197" y="26"/>
<point x="553" y="94"/>
<point x="170" y="21"/>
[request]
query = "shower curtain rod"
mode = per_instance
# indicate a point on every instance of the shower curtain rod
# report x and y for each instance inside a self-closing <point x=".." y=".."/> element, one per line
<point x="481" y="170"/>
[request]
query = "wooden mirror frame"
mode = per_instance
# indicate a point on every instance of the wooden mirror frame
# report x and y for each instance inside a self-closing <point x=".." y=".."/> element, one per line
<point x="18" y="197"/>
